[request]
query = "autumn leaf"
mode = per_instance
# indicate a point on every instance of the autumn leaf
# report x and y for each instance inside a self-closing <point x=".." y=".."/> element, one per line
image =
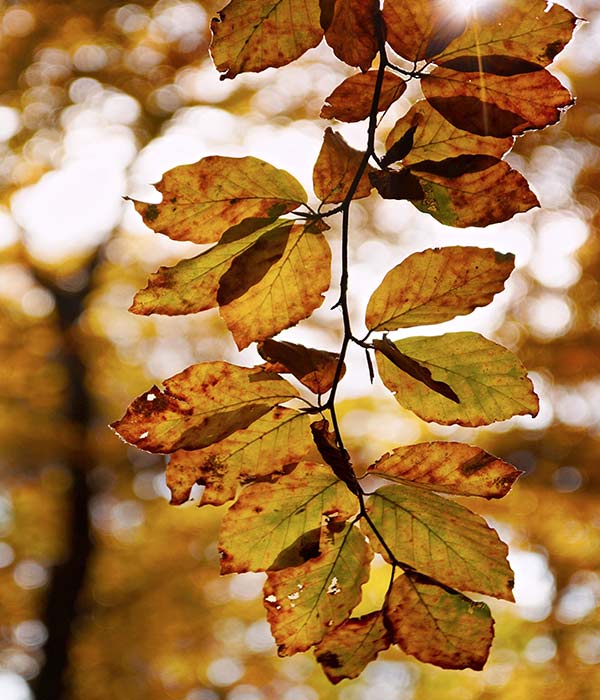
<point x="351" y="100"/>
<point x="249" y="37"/>
<point x="496" y="105"/>
<point x="346" y="650"/>
<point x="448" y="467"/>
<point x="269" y="519"/>
<point x="490" y="382"/>
<point x="277" y="282"/>
<point x="203" y="404"/>
<point x="356" y="19"/>
<point x="203" y="200"/>
<point x="439" y="538"/>
<point x="306" y="602"/>
<point x="193" y="284"/>
<point x="337" y="458"/>
<point x="263" y="449"/>
<point x="436" y="285"/>
<point x="437" y="625"/>
<point x="435" y="138"/>
<point x="314" y="368"/>
<point x="335" y="170"/>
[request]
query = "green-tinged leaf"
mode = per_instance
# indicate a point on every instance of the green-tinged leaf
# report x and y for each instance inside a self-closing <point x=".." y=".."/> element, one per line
<point x="263" y="449"/>
<point x="419" y="29"/>
<point x="436" y="285"/>
<point x="413" y="368"/>
<point x="277" y="282"/>
<point x="268" y="519"/>
<point x="437" y="625"/>
<point x="306" y="602"/>
<point x="441" y="539"/>
<point x="203" y="200"/>
<point x="449" y="467"/>
<point x="201" y="405"/>
<point x="346" y="650"/>
<point x="496" y="105"/>
<point x="355" y="19"/>
<point x="351" y="100"/>
<point x="490" y="382"/>
<point x="529" y="31"/>
<point x="435" y="138"/>
<point x="252" y="36"/>
<point x="314" y="368"/>
<point x="193" y="284"/>
<point x="335" y="169"/>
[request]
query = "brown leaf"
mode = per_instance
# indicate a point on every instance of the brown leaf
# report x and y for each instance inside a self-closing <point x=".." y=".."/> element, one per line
<point x="355" y="19"/>
<point x="401" y="184"/>
<point x="314" y="368"/>
<point x="456" y="166"/>
<point x="448" y="467"/>
<point x="351" y="100"/>
<point x="336" y="458"/>
<point x="400" y="148"/>
<point x="336" y="168"/>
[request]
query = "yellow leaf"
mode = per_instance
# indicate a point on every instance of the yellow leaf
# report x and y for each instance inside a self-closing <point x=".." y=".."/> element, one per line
<point x="436" y="285"/>
<point x="490" y="382"/>
<point x="203" y="200"/>
<point x="351" y="100"/>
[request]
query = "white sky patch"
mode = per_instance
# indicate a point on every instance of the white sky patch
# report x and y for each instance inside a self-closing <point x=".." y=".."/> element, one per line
<point x="535" y="587"/>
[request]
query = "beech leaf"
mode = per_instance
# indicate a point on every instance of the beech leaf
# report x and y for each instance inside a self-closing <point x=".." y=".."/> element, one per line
<point x="338" y="459"/>
<point x="436" y="285"/>
<point x="314" y="368"/>
<point x="351" y="100"/>
<point x="441" y="539"/>
<point x="268" y="519"/>
<point x="203" y="200"/>
<point x="346" y="650"/>
<point x="356" y="19"/>
<point x="437" y="625"/>
<point x="202" y="405"/>
<point x="306" y="602"/>
<point x="249" y="37"/>
<point x="448" y="467"/>
<point x="490" y="381"/>
<point x="335" y="169"/>
<point x="263" y="449"/>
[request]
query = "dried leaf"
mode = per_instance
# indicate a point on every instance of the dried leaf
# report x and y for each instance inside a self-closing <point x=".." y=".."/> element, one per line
<point x="437" y="625"/>
<point x="305" y="602"/>
<point x="268" y="519"/>
<point x="263" y="449"/>
<point x="201" y="405"/>
<point x="490" y="382"/>
<point x="448" y="467"/>
<point x="249" y="37"/>
<point x="441" y="539"/>
<point x="314" y="368"/>
<point x="356" y="19"/>
<point x="351" y="100"/>
<point x="346" y="650"/>
<point x="338" y="459"/>
<point x="274" y="284"/>
<point x="436" y="285"/>
<point x="336" y="168"/>
<point x="203" y="200"/>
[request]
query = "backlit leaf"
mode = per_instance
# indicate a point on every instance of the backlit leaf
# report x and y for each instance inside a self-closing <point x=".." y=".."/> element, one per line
<point x="258" y="34"/>
<point x="264" y="448"/>
<point x="335" y="169"/>
<point x="440" y="538"/>
<point x="268" y="519"/>
<point x="437" y="625"/>
<point x="203" y="200"/>
<point x="490" y="382"/>
<point x="277" y="282"/>
<point x="314" y="368"/>
<point x="305" y="602"/>
<point x="449" y="467"/>
<point x="436" y="285"/>
<point x="201" y="405"/>
<point x="351" y="100"/>
<point x="496" y="105"/>
<point x="337" y="458"/>
<point x="356" y="19"/>
<point x="346" y="650"/>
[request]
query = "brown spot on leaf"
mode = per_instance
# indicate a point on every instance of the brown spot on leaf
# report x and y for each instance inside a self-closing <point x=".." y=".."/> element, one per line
<point x="329" y="659"/>
<point x="151" y="212"/>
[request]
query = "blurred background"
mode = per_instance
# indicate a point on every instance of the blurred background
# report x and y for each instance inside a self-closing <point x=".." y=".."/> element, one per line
<point x="97" y="100"/>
